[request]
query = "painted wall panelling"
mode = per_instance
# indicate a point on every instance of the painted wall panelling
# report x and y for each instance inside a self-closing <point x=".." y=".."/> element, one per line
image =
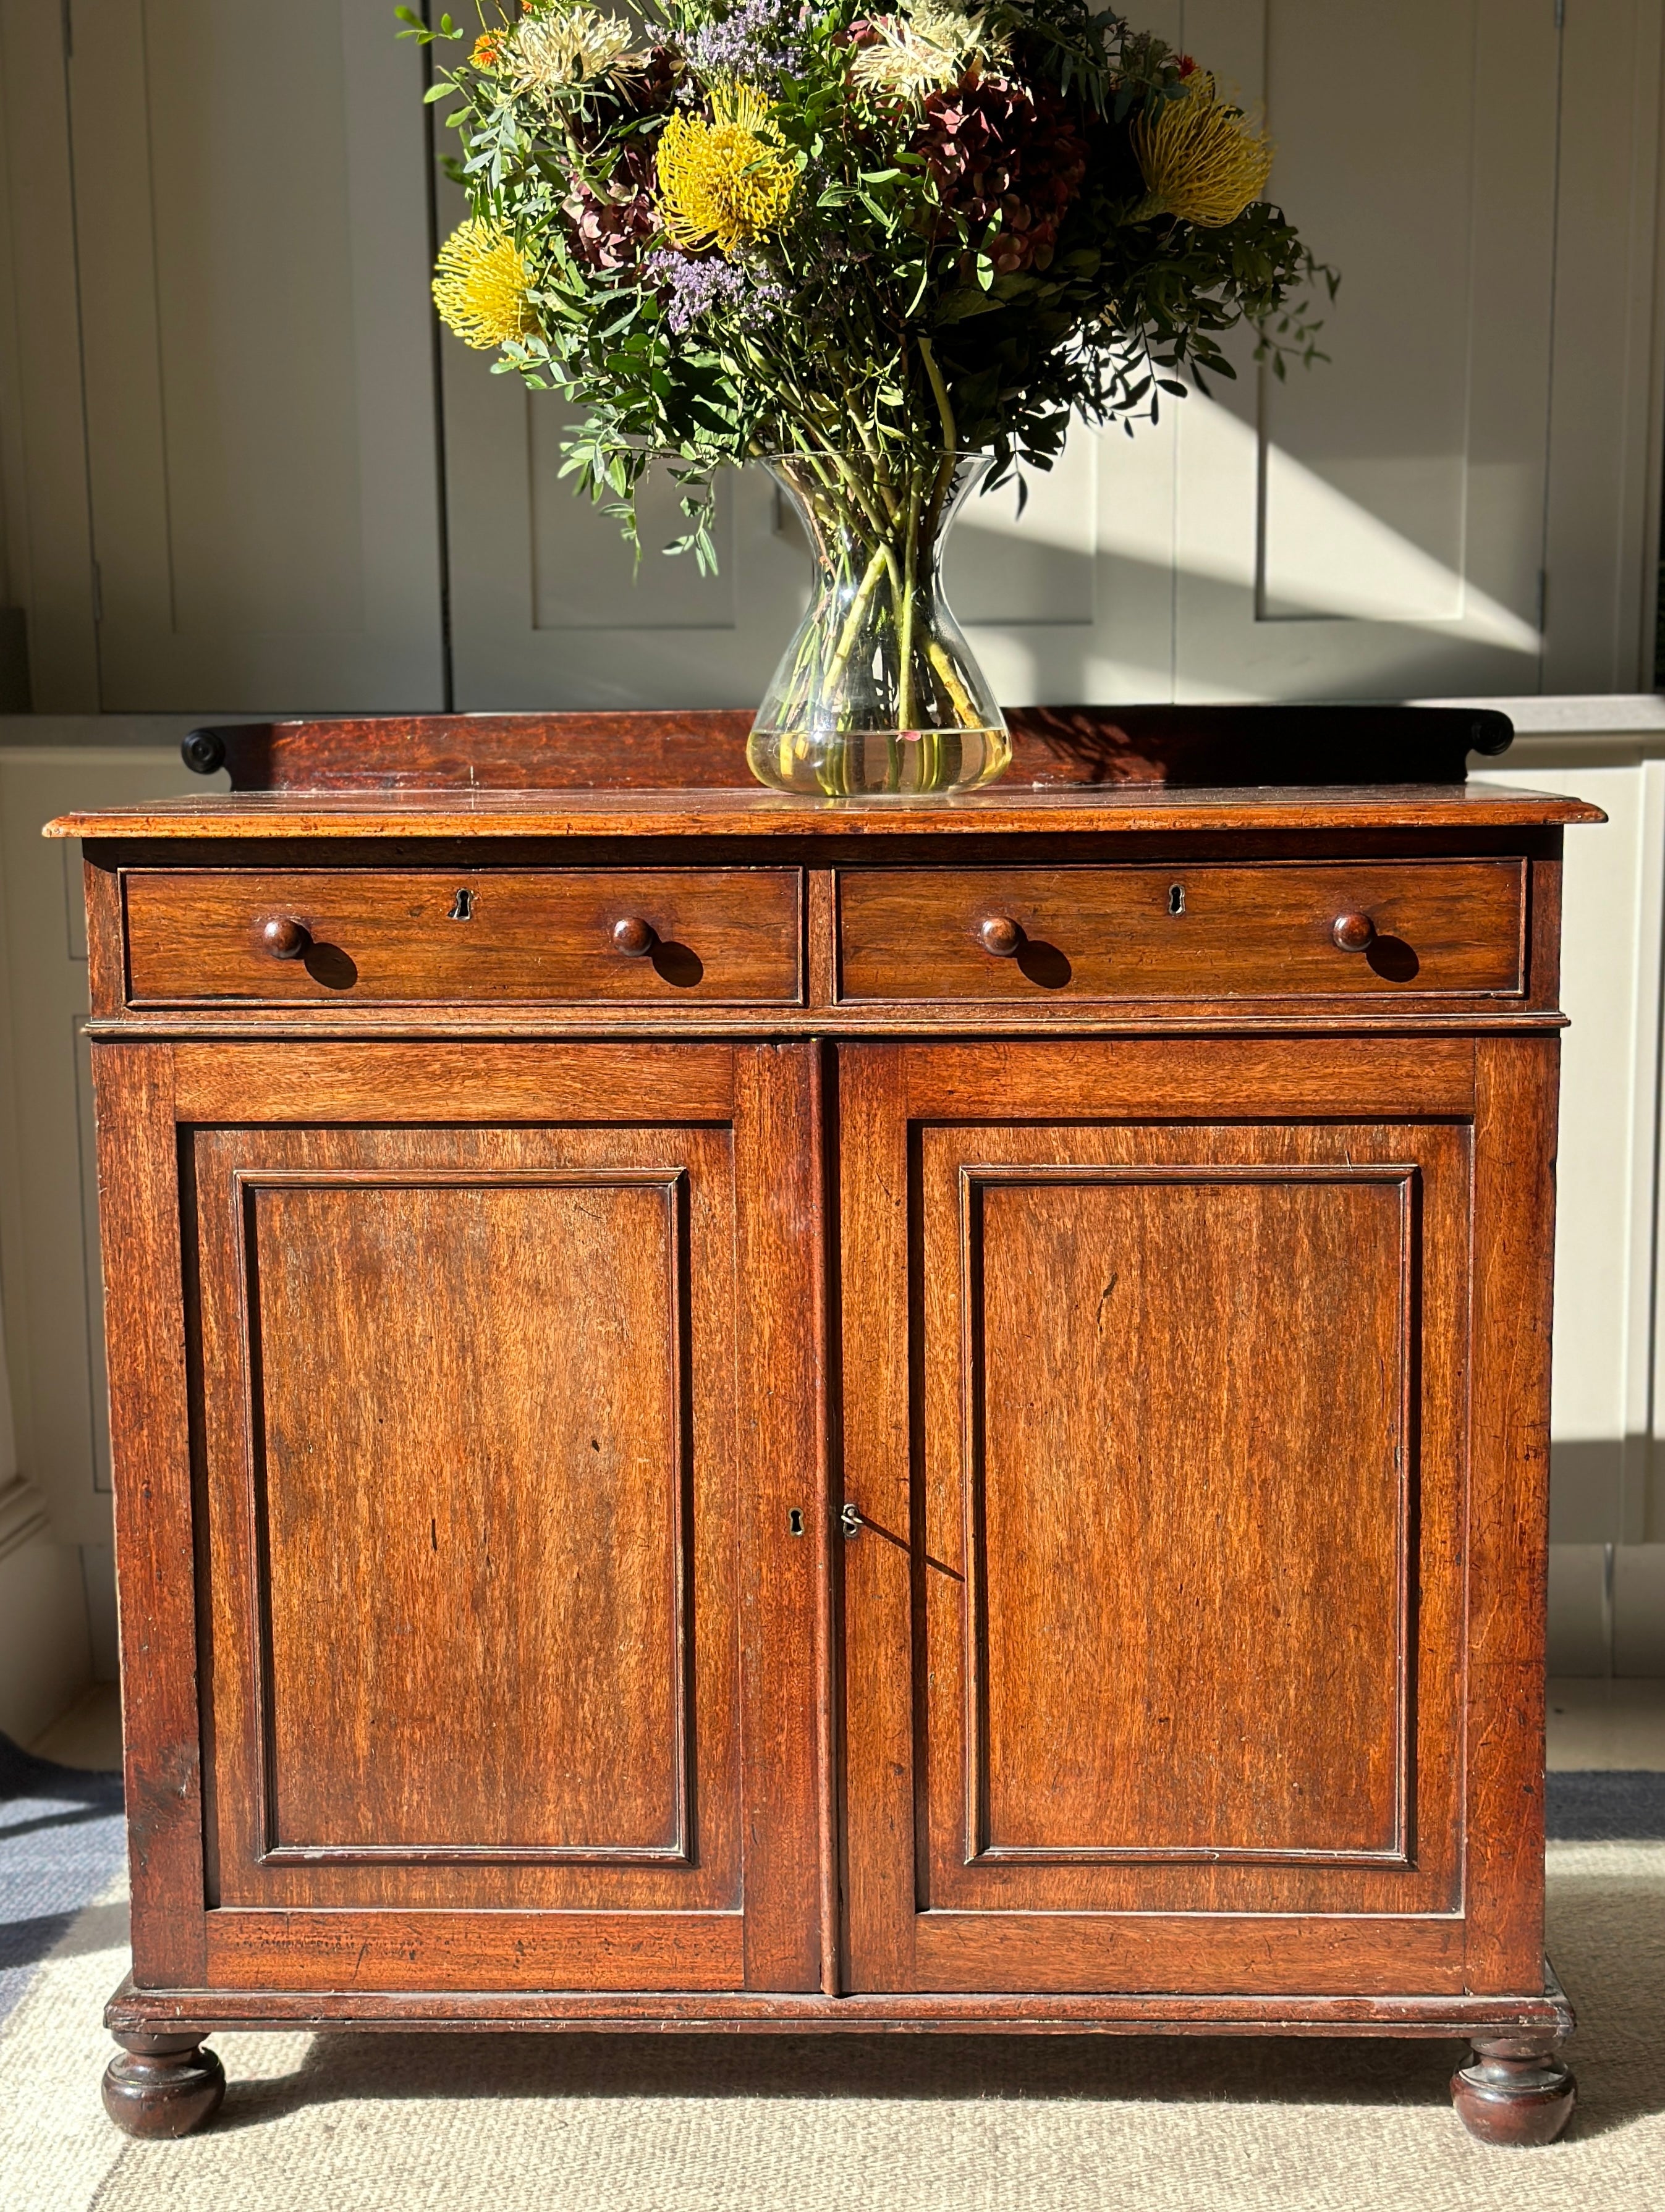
<point x="43" y="443"/>
<point x="1605" y="420"/>
<point x="261" y="421"/>
<point x="1374" y="528"/>
<point x="251" y="210"/>
<point x="49" y="1267"/>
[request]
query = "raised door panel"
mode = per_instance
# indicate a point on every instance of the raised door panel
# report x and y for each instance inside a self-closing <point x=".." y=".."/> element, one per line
<point x="478" y="1474"/>
<point x="552" y="1720"/>
<point x="1185" y="1492"/>
<point x="1163" y="1605"/>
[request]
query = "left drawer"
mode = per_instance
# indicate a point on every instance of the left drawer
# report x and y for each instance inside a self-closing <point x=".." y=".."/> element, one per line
<point x="566" y="936"/>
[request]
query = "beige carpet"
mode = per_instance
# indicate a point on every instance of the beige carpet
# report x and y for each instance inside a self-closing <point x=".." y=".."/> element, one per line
<point x="375" y="2123"/>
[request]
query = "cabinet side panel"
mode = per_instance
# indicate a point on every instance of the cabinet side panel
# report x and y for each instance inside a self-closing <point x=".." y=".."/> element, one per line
<point x="150" y="1456"/>
<point x="1514" y="1205"/>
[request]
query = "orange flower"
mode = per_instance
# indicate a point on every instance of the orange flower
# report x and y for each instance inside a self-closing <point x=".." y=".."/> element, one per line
<point x="487" y="52"/>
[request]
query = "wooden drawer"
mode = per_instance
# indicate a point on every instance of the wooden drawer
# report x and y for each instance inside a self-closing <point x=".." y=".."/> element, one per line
<point x="569" y="936"/>
<point x="1275" y="930"/>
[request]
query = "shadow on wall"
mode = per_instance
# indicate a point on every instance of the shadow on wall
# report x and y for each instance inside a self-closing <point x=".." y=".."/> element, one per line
<point x="1607" y="1608"/>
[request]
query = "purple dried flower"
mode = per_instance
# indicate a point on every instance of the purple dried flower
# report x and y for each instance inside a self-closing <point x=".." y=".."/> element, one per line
<point x="691" y="288"/>
<point x="757" y="40"/>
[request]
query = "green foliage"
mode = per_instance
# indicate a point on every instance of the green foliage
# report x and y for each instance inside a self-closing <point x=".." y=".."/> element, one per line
<point x="968" y="264"/>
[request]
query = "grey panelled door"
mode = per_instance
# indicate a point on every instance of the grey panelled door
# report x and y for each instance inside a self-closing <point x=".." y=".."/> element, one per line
<point x="252" y="241"/>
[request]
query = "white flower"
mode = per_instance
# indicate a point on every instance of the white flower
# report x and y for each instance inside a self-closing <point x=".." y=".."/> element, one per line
<point x="546" y="54"/>
<point x="929" y="46"/>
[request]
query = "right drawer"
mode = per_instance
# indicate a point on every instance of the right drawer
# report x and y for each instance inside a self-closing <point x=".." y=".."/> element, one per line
<point x="1271" y="930"/>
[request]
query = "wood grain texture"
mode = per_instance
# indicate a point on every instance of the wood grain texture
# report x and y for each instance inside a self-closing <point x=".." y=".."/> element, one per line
<point x="1167" y="1450"/>
<point x="467" y="1396"/>
<point x="779" y="1242"/>
<point x="1107" y="1723"/>
<point x="1192" y="1435"/>
<point x="706" y="935"/>
<point x="1200" y="1954"/>
<point x="446" y="1434"/>
<point x="738" y="2012"/>
<point x="1206" y="932"/>
<point x="1004" y="808"/>
<point x="878" y="1567"/>
<point x="432" y="1950"/>
<point x="150" y="1460"/>
<point x="1514" y="1205"/>
<point x="443" y="1081"/>
<point x="1182" y="1351"/>
<point x="1141" y="1079"/>
<point x="620" y="751"/>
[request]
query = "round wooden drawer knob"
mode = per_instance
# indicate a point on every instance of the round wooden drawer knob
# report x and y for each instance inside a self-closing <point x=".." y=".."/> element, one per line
<point x="1000" y="935"/>
<point x="1354" y="933"/>
<point x="284" y="938"/>
<point x="634" y="936"/>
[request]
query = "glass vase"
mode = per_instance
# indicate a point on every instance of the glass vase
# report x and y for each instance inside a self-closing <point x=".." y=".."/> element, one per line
<point x="878" y="694"/>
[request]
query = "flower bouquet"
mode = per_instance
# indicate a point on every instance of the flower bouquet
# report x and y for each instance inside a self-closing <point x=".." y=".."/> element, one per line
<point x="888" y="255"/>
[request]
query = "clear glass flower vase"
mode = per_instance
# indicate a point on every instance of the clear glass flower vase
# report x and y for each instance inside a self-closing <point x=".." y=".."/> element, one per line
<point x="878" y="693"/>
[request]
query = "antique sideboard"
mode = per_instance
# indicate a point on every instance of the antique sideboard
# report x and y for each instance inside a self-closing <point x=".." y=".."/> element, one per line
<point x="747" y="1413"/>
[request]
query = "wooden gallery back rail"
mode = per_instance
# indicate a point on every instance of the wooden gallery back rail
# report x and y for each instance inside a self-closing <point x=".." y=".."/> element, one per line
<point x="744" y="1413"/>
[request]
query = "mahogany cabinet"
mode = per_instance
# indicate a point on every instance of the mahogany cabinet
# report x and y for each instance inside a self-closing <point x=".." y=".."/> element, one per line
<point x="750" y="1414"/>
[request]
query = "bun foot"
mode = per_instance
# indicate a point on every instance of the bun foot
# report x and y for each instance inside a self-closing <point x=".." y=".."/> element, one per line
<point x="162" y="2086"/>
<point x="1514" y="2092"/>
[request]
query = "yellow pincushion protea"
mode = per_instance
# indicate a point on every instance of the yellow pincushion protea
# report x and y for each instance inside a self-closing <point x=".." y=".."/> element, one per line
<point x="481" y="285"/>
<point x="1202" y="159"/>
<point x="728" y="181"/>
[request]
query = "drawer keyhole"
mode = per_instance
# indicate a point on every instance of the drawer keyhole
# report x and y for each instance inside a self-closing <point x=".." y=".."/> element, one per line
<point x="1176" y="898"/>
<point x="462" y="907"/>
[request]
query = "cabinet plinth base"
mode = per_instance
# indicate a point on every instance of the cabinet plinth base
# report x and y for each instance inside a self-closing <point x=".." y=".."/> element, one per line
<point x="162" y="2086"/>
<point x="1516" y="2091"/>
<point x="1537" y="2019"/>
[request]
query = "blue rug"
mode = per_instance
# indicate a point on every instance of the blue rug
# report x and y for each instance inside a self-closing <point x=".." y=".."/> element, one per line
<point x="61" y="1841"/>
<point x="61" y="1837"/>
<point x="1627" y="1806"/>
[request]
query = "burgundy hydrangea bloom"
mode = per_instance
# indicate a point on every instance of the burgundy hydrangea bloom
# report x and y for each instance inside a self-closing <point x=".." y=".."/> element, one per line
<point x="1008" y="160"/>
<point x="611" y="227"/>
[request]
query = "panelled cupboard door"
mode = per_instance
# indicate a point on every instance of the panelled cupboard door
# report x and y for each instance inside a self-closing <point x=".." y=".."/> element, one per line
<point x="483" y="1444"/>
<point x="253" y="256"/>
<point x="1154" y="1631"/>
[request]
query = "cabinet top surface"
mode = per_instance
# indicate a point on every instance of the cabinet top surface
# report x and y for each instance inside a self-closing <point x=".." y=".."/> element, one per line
<point x="1011" y="808"/>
